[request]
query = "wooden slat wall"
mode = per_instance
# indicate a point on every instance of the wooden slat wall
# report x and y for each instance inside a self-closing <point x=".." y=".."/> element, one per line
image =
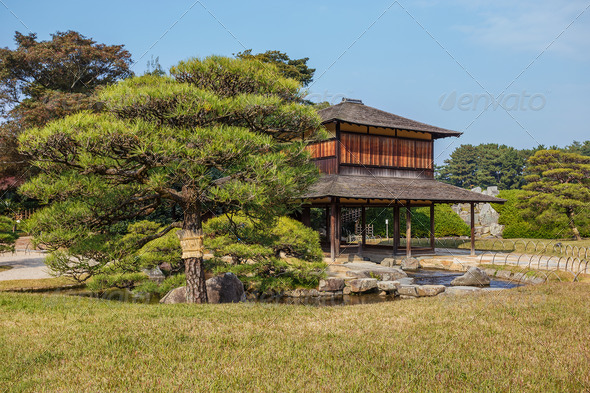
<point x="359" y="149"/>
<point x="328" y="165"/>
<point x="322" y="149"/>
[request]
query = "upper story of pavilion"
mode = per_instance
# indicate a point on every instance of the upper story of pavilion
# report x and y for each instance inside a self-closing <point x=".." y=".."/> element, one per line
<point x="368" y="141"/>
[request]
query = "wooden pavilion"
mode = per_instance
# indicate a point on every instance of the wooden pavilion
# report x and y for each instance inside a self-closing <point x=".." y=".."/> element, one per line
<point x="378" y="159"/>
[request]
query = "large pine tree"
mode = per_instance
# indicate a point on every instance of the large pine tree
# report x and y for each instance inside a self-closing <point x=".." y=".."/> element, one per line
<point x="219" y="135"/>
<point x="560" y="180"/>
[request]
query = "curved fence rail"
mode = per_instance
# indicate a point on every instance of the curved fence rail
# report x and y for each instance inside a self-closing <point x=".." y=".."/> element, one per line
<point x="546" y="255"/>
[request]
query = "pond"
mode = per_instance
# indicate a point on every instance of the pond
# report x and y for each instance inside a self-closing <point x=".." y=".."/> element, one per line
<point x="422" y="277"/>
<point x="444" y="277"/>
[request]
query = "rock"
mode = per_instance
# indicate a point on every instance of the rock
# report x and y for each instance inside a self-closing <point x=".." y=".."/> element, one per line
<point x="407" y="290"/>
<point x="429" y="290"/>
<point x="461" y="290"/>
<point x="177" y="295"/>
<point x="313" y="293"/>
<point x="404" y="281"/>
<point x="496" y="229"/>
<point x="226" y="288"/>
<point x="154" y="274"/>
<point x="165" y="267"/>
<point x="381" y="273"/>
<point x="362" y="285"/>
<point x="504" y="274"/>
<point x="474" y="277"/>
<point x="382" y="293"/>
<point x="407" y="297"/>
<point x="346" y="291"/>
<point x="490" y="272"/>
<point x="393" y="274"/>
<point x="357" y="274"/>
<point x="410" y="264"/>
<point x="476" y="189"/>
<point x="331" y="284"/>
<point x="388" y="262"/>
<point x="388" y="286"/>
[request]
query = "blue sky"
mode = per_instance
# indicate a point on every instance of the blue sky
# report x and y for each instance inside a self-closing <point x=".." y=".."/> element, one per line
<point x="432" y="61"/>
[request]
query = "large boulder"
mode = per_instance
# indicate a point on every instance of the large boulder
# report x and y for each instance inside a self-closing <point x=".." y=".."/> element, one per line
<point x="331" y="284"/>
<point x="388" y="262"/>
<point x="407" y="290"/>
<point x="387" y="286"/>
<point x="461" y="290"/>
<point x="177" y="295"/>
<point x="226" y="288"/>
<point x="429" y="290"/>
<point x="410" y="264"/>
<point x="474" y="277"/>
<point x="381" y="273"/>
<point x="362" y="285"/>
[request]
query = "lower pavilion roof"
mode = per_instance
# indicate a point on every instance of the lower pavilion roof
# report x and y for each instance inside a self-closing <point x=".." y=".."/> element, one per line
<point x="393" y="188"/>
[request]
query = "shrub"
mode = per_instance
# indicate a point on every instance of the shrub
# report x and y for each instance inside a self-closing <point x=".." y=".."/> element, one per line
<point x="101" y="282"/>
<point x="524" y="222"/>
<point x="7" y="236"/>
<point x="256" y="250"/>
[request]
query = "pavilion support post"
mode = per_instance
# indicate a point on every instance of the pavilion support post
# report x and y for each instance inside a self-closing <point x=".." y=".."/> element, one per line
<point x="333" y="231"/>
<point x="363" y="231"/>
<point x="408" y="231"/>
<point x="395" y="229"/>
<point x="338" y="228"/>
<point x="472" y="219"/>
<point x="306" y="216"/>
<point x="432" y="240"/>
<point x="328" y="224"/>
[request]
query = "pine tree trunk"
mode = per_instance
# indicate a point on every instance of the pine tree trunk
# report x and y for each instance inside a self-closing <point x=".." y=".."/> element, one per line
<point x="192" y="254"/>
<point x="570" y="215"/>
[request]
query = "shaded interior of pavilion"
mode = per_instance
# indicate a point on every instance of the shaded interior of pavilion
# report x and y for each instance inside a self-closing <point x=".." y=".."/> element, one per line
<point x="345" y="229"/>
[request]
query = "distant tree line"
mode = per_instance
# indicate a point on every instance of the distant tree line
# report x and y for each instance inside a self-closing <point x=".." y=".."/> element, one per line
<point x="491" y="164"/>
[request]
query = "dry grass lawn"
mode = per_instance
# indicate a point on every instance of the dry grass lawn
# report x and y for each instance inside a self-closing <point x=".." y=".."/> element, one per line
<point x="533" y="339"/>
<point x="43" y="284"/>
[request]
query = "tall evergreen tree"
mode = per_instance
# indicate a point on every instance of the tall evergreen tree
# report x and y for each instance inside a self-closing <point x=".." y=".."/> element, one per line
<point x="220" y="134"/>
<point x="45" y="80"/>
<point x="560" y="180"/>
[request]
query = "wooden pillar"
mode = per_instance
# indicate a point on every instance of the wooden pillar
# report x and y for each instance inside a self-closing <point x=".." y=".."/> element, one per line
<point x="306" y="216"/>
<point x="338" y="228"/>
<point x="432" y="240"/>
<point x="408" y="231"/>
<point x="395" y="229"/>
<point x="333" y="231"/>
<point x="328" y="224"/>
<point x="363" y="230"/>
<point x="472" y="215"/>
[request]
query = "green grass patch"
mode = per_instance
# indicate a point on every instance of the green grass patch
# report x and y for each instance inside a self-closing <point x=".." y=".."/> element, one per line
<point x="3" y="268"/>
<point x="43" y="284"/>
<point x="530" y="338"/>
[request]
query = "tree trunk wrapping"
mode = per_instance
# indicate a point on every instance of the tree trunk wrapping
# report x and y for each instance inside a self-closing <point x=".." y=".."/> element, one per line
<point x="191" y="242"/>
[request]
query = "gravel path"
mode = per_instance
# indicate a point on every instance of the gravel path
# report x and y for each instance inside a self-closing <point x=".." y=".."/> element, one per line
<point x="25" y="266"/>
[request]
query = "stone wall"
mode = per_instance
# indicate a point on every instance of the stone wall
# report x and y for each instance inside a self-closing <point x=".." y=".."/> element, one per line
<point x="486" y="218"/>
